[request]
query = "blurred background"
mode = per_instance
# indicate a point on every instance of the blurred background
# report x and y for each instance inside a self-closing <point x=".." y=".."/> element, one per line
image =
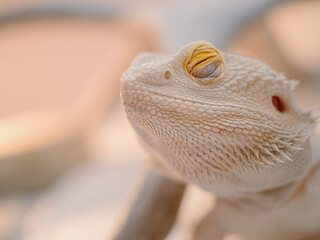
<point x="69" y="161"/>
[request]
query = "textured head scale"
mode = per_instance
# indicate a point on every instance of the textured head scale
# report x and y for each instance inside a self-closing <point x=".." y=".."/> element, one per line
<point x="228" y="123"/>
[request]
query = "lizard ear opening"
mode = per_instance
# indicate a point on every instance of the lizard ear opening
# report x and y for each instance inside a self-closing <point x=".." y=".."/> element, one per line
<point x="205" y="64"/>
<point x="278" y="104"/>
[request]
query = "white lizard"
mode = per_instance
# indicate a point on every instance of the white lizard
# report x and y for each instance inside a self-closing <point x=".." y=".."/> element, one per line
<point x="231" y="125"/>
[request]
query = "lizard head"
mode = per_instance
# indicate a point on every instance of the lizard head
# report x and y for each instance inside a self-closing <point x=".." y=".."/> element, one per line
<point x="225" y="122"/>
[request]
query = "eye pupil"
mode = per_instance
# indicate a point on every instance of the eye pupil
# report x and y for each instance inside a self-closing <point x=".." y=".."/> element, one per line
<point x="278" y="103"/>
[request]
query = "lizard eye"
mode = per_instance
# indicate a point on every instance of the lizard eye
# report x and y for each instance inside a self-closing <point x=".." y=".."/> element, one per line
<point x="205" y="64"/>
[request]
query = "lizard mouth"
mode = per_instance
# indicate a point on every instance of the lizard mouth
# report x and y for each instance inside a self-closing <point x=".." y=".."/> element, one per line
<point x="135" y="98"/>
<point x="153" y="105"/>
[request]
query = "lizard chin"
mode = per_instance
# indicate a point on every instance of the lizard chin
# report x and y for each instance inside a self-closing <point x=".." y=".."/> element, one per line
<point x="225" y="165"/>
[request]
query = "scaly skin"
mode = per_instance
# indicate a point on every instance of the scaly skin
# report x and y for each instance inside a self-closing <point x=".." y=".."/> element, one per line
<point x="231" y="125"/>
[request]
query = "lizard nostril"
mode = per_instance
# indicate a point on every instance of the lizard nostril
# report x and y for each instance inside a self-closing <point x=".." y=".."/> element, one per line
<point x="167" y="75"/>
<point x="278" y="103"/>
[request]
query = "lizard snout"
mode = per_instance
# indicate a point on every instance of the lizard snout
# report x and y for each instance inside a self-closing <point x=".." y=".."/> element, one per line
<point x="146" y="75"/>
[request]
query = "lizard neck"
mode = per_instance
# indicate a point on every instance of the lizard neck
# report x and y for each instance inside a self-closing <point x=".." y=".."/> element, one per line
<point x="264" y="200"/>
<point x="277" y="196"/>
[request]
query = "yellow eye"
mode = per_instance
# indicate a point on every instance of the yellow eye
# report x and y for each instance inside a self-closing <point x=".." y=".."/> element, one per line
<point x="205" y="63"/>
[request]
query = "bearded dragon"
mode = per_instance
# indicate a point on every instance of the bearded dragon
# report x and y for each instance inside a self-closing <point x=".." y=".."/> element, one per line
<point x="232" y="126"/>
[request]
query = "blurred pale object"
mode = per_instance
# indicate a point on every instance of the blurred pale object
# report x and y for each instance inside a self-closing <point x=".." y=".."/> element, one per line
<point x="296" y="29"/>
<point x="58" y="77"/>
<point x="287" y="37"/>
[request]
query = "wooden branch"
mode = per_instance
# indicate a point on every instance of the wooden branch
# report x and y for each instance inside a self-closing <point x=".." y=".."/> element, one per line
<point x="154" y="210"/>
